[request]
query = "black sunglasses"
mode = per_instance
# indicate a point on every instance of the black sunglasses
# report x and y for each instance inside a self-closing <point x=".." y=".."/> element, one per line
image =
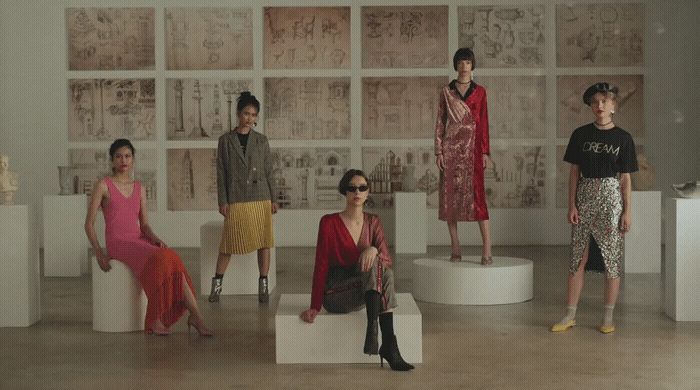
<point x="352" y="188"/>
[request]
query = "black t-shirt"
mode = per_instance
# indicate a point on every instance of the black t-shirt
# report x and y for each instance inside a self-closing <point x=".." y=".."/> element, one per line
<point x="243" y="139"/>
<point x="601" y="153"/>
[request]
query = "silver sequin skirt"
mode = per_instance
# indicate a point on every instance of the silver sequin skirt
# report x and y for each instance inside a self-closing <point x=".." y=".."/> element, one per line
<point x="599" y="203"/>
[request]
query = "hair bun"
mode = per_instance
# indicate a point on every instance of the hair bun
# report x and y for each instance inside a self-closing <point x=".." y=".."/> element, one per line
<point x="245" y="94"/>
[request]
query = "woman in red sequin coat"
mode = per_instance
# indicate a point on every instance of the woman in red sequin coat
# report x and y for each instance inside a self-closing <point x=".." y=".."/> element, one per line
<point x="462" y="152"/>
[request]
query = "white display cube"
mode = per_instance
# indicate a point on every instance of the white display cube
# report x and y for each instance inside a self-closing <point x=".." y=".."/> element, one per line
<point x="339" y="338"/>
<point x="242" y="273"/>
<point x="65" y="242"/>
<point x="682" y="266"/>
<point x="118" y="300"/>
<point x="20" y="290"/>
<point x="410" y="232"/>
<point x="643" y="241"/>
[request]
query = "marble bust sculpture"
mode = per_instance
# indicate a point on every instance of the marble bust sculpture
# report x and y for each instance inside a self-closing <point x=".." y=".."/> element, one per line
<point x="8" y="181"/>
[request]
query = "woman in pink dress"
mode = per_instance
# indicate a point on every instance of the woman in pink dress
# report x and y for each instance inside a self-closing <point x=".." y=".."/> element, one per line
<point x="129" y="239"/>
<point x="462" y="152"/>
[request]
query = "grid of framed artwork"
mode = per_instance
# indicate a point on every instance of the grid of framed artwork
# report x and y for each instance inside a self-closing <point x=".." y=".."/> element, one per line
<point x="343" y="86"/>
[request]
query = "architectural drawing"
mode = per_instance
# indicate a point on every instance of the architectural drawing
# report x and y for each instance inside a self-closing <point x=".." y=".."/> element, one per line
<point x="572" y="113"/>
<point x="307" y="178"/>
<point x="307" y="38"/>
<point x="105" y="109"/>
<point x="503" y="36"/>
<point x="208" y="38"/>
<point x="601" y="34"/>
<point x="392" y="169"/>
<point x="400" y="107"/>
<point x="516" y="178"/>
<point x="516" y="106"/>
<point x="307" y="108"/>
<point x="202" y="108"/>
<point x="404" y="37"/>
<point x="192" y="179"/>
<point x="111" y="38"/>
<point x="90" y="165"/>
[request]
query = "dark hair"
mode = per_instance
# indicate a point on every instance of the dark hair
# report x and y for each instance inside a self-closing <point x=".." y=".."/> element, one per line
<point x="347" y="177"/>
<point x="602" y="87"/>
<point x="120" y="143"/>
<point x="464" y="53"/>
<point x="247" y="99"/>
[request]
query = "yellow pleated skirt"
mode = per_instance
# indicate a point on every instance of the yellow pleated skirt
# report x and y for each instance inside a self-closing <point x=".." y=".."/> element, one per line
<point x="248" y="227"/>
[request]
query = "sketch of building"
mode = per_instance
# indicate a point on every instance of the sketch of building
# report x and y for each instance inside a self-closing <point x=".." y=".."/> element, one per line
<point x="392" y="169"/>
<point x="307" y="178"/>
<point x="204" y="38"/>
<point x="404" y="37"/>
<point x="105" y="109"/>
<point x="516" y="106"/>
<point x="572" y="112"/>
<point x="400" y="107"/>
<point x="503" y="36"/>
<point x="202" y="108"/>
<point x="111" y="38"/>
<point x="307" y="38"/>
<point x="516" y="177"/>
<point x="89" y="165"/>
<point x="192" y="179"/>
<point x="604" y="34"/>
<point x="307" y="108"/>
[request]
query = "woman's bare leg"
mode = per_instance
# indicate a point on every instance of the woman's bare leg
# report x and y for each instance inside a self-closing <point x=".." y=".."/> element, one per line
<point x="454" y="238"/>
<point x="485" y="238"/>
<point x="264" y="261"/>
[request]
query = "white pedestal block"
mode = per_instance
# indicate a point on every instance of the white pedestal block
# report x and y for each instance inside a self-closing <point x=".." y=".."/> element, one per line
<point x="118" y="301"/>
<point x="339" y="338"/>
<point x="643" y="242"/>
<point x="507" y="280"/>
<point x="410" y="234"/>
<point x="242" y="273"/>
<point x="65" y="242"/>
<point x="682" y="266"/>
<point x="20" y="291"/>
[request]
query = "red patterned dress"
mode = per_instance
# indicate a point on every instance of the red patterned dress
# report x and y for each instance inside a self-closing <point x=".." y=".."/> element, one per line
<point x="462" y="137"/>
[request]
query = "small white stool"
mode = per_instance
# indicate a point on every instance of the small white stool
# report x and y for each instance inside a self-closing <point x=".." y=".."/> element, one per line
<point x="118" y="301"/>
<point x="242" y="273"/>
<point x="338" y="338"/>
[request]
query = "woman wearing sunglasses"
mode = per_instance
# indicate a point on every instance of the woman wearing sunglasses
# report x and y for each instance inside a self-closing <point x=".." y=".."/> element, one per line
<point x="353" y="269"/>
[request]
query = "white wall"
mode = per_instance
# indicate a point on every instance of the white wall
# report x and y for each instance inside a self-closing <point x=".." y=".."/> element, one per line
<point x="33" y="111"/>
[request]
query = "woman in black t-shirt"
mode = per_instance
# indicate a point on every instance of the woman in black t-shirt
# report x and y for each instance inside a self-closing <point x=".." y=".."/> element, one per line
<point x="602" y="156"/>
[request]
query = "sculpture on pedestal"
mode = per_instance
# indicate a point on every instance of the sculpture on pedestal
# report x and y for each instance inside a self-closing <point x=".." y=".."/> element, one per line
<point x="690" y="189"/>
<point x="8" y="181"/>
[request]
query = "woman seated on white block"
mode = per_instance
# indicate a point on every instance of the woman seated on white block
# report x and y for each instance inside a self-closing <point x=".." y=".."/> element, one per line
<point x="130" y="240"/>
<point x="353" y="269"/>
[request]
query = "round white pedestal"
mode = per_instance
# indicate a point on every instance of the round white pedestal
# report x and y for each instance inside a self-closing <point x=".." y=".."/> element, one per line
<point x="507" y="280"/>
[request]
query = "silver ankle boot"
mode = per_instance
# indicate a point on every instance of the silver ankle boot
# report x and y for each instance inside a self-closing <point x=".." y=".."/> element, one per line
<point x="263" y="290"/>
<point x="215" y="290"/>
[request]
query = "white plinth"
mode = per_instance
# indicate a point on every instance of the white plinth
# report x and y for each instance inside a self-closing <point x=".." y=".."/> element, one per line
<point x="20" y="291"/>
<point x="242" y="274"/>
<point x="118" y="301"/>
<point x="409" y="229"/>
<point x="682" y="266"/>
<point x="507" y="280"/>
<point x="65" y="242"/>
<point x="339" y="338"/>
<point x="643" y="241"/>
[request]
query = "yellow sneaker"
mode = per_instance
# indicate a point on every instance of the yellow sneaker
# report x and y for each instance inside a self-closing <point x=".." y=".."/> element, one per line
<point x="607" y="329"/>
<point x="560" y="327"/>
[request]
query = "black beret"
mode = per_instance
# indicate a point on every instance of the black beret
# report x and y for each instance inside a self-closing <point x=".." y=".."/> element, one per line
<point x="598" y="87"/>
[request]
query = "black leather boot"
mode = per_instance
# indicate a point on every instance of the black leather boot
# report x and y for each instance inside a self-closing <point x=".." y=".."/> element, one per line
<point x="390" y="352"/>
<point x="372" y="335"/>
